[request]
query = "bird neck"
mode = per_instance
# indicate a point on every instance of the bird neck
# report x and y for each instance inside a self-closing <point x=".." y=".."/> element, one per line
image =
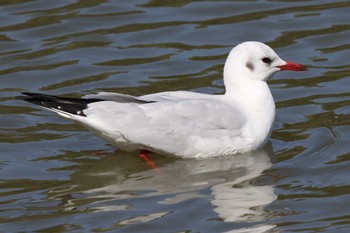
<point x="254" y="99"/>
<point x="253" y="96"/>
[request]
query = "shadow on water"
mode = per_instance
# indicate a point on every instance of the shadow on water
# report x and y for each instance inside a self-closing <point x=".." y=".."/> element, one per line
<point x="56" y="177"/>
<point x="119" y="192"/>
<point x="121" y="186"/>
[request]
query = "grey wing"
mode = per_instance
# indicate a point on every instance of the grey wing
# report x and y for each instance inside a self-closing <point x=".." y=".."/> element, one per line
<point x="195" y="115"/>
<point x="174" y="96"/>
<point x="171" y="126"/>
<point x="156" y="97"/>
<point x="117" y="97"/>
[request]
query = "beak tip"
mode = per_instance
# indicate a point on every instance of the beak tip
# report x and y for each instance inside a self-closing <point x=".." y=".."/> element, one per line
<point x="293" y="66"/>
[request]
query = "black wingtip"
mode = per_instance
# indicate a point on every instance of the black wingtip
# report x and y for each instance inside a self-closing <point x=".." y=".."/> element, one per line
<point x="28" y="95"/>
<point x="73" y="106"/>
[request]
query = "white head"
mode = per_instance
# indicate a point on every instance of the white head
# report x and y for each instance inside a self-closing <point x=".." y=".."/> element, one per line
<point x="254" y="61"/>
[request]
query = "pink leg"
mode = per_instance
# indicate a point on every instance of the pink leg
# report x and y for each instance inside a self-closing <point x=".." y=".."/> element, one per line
<point x="143" y="155"/>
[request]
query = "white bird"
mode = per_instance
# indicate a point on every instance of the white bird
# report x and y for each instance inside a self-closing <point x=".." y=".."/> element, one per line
<point x="184" y="123"/>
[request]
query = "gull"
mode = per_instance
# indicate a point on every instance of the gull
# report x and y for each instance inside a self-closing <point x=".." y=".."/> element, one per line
<point x="183" y="123"/>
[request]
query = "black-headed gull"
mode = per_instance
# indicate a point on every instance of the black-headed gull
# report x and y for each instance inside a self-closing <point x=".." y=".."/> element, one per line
<point x="183" y="123"/>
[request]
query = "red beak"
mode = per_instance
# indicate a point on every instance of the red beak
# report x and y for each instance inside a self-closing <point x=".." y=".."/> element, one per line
<point x="292" y="66"/>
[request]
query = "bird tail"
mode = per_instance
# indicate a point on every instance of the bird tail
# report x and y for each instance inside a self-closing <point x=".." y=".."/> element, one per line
<point x="66" y="107"/>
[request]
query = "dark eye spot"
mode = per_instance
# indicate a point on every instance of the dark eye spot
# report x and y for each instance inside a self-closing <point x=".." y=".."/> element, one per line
<point x="250" y="66"/>
<point x="266" y="60"/>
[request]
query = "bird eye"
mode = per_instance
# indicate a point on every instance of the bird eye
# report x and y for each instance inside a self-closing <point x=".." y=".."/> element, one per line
<point x="266" y="60"/>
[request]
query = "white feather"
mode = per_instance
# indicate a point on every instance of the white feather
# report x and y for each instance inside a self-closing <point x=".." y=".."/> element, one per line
<point x="191" y="124"/>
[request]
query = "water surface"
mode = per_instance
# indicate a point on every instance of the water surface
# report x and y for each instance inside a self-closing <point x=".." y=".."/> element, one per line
<point x="57" y="177"/>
